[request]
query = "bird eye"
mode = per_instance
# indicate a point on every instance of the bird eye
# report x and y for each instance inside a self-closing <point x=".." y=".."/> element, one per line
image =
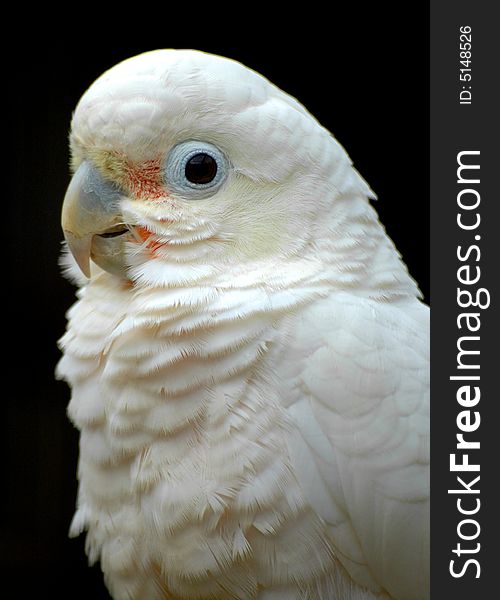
<point x="195" y="169"/>
<point x="201" y="168"/>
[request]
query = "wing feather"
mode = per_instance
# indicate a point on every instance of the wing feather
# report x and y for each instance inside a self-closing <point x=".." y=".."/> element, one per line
<point x="361" y="441"/>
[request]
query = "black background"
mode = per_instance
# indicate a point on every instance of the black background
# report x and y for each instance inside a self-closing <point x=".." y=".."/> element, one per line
<point x="361" y="70"/>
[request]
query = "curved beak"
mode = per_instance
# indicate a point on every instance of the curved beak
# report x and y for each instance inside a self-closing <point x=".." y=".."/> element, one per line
<point x="90" y="207"/>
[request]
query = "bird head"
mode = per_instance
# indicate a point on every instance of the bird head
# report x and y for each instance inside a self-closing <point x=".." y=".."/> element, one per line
<point x="187" y="164"/>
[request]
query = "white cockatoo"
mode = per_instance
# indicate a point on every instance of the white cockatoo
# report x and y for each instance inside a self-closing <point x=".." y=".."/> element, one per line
<point x="248" y="355"/>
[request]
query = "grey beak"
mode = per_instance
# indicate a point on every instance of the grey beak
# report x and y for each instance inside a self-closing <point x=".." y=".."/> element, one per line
<point x="90" y="207"/>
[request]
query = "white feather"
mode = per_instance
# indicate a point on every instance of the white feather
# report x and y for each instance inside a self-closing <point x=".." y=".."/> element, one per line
<point x="252" y="403"/>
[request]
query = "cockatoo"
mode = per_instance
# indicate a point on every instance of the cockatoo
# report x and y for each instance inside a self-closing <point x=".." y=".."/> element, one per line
<point x="248" y="355"/>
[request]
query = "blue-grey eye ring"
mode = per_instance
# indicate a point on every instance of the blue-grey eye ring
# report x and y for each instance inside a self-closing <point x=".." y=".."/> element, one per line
<point x="195" y="169"/>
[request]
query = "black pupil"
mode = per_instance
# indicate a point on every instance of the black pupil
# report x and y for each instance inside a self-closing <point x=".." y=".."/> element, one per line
<point x="201" y="168"/>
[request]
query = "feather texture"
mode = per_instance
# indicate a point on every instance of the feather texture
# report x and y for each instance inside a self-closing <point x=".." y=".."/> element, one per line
<point x="252" y="399"/>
